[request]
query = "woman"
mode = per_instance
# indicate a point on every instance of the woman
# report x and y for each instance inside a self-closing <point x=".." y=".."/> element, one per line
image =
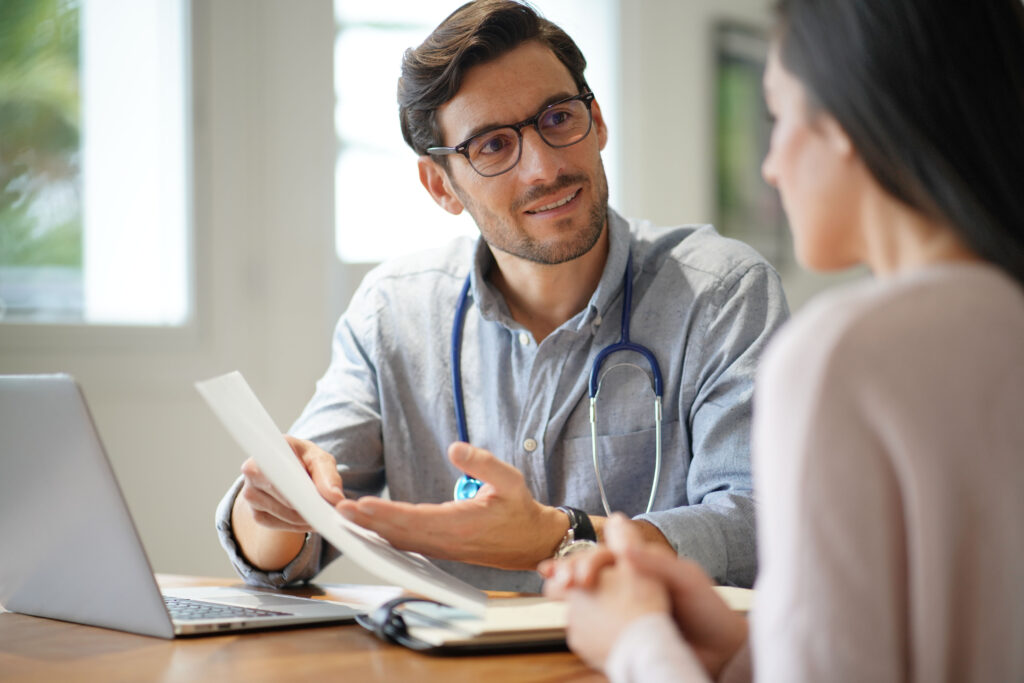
<point x="889" y="421"/>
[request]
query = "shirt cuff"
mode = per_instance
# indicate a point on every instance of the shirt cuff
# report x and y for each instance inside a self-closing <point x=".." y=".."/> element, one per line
<point x="304" y="567"/>
<point x="651" y="650"/>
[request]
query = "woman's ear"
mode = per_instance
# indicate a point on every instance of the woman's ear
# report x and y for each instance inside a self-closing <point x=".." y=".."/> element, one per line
<point x="435" y="180"/>
<point x="836" y="135"/>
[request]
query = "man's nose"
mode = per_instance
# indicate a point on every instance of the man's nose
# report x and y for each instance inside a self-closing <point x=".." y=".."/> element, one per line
<point x="539" y="161"/>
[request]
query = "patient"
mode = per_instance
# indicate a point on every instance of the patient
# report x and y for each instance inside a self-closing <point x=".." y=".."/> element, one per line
<point x="889" y="418"/>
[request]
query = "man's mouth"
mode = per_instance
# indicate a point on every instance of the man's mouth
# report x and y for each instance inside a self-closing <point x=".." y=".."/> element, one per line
<point x="554" y="205"/>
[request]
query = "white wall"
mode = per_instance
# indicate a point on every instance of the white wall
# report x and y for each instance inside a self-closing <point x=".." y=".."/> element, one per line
<point x="668" y="105"/>
<point x="268" y="287"/>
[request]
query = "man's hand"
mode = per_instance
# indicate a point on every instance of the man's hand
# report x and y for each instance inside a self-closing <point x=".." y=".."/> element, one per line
<point x="269" y="507"/>
<point x="503" y="526"/>
<point x="269" y="531"/>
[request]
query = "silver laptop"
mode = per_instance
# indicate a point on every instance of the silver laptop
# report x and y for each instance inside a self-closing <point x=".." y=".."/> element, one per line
<point x="68" y="547"/>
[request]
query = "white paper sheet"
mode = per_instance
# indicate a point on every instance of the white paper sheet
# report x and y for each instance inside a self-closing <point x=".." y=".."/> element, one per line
<point x="248" y="422"/>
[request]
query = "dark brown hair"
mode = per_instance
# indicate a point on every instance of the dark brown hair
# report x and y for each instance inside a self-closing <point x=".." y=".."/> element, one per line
<point x="475" y="33"/>
<point x="931" y="94"/>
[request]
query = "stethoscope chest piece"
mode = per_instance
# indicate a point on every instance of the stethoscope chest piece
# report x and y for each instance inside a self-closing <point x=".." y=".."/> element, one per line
<point x="467" y="487"/>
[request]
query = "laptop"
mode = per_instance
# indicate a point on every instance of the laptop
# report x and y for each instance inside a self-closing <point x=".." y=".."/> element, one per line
<point x="68" y="547"/>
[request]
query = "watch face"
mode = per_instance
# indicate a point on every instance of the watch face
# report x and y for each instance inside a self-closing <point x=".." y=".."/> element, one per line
<point x="576" y="547"/>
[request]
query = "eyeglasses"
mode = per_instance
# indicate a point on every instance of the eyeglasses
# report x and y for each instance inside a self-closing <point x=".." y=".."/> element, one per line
<point x="495" y="151"/>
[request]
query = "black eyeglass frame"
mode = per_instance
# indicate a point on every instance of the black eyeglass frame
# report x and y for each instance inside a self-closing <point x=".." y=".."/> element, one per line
<point x="587" y="98"/>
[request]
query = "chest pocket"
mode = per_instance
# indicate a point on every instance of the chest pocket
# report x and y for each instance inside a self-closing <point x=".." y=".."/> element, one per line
<point x="627" y="463"/>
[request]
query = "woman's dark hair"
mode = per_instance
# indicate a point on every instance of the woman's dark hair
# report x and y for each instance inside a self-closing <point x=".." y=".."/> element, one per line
<point x="931" y="94"/>
<point x="475" y="33"/>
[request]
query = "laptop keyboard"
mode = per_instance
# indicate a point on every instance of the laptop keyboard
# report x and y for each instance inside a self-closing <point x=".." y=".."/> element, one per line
<point x="187" y="609"/>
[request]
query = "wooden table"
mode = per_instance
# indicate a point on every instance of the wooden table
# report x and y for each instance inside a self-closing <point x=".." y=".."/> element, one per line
<point x="34" y="649"/>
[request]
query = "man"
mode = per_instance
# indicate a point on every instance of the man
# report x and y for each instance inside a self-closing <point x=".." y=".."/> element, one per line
<point x="495" y="104"/>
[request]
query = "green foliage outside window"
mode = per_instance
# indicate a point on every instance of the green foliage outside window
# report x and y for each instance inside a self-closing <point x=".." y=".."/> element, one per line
<point x="40" y="158"/>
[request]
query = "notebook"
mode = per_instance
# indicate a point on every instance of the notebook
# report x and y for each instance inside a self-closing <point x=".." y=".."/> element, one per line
<point x="68" y="547"/>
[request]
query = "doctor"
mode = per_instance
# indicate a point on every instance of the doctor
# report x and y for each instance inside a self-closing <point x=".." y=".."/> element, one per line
<point x="495" y="104"/>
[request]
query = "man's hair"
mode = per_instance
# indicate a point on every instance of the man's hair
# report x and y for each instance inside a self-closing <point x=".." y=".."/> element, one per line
<point x="476" y="33"/>
<point x="931" y="93"/>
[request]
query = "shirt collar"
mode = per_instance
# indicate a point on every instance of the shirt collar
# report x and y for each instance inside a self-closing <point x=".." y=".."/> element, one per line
<point x="492" y="306"/>
<point x="486" y="297"/>
<point x="610" y="284"/>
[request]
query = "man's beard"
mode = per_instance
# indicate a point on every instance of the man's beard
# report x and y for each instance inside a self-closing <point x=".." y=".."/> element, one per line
<point x="500" y="233"/>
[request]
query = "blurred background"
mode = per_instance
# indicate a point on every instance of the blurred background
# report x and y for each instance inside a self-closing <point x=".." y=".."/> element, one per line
<point x="189" y="188"/>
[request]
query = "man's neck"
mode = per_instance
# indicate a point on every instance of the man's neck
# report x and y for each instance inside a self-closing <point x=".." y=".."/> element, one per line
<point x="542" y="297"/>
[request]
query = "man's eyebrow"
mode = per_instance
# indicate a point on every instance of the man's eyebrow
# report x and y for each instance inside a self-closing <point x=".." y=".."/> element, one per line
<point x="483" y="128"/>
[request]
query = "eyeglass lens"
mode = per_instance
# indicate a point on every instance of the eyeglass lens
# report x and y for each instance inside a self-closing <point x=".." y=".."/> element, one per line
<point x="560" y="125"/>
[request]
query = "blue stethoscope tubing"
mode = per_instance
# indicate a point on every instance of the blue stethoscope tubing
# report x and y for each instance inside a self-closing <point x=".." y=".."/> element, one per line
<point x="467" y="487"/>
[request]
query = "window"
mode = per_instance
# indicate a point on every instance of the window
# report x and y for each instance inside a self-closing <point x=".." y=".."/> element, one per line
<point x="93" y="162"/>
<point x="380" y="207"/>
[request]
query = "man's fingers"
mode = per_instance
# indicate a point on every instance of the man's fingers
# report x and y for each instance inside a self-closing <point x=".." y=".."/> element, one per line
<point x="264" y="504"/>
<point x="392" y="518"/>
<point x="321" y="466"/>
<point x="482" y="465"/>
<point x="256" y="480"/>
<point x="250" y="470"/>
<point x="324" y="472"/>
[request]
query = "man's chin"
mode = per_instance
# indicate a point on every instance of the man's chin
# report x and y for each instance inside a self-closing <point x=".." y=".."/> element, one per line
<point x="552" y="252"/>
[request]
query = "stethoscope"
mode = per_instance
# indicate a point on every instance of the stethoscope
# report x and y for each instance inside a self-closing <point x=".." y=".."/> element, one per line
<point x="467" y="486"/>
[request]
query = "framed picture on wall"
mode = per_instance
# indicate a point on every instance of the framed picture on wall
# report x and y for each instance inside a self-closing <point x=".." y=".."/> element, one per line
<point x="747" y="208"/>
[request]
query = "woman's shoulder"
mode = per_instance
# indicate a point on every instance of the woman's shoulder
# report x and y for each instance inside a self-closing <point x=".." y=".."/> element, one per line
<point x="898" y="322"/>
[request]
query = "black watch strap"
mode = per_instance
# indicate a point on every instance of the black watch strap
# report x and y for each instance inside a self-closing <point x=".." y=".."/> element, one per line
<point x="580" y="524"/>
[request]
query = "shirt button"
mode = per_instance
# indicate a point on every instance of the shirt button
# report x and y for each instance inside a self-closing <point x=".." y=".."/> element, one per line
<point x="524" y="339"/>
<point x="597" y="320"/>
<point x="530" y="445"/>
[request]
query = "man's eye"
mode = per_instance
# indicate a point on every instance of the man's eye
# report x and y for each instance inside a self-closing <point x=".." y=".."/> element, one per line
<point x="556" y="118"/>
<point x="494" y="144"/>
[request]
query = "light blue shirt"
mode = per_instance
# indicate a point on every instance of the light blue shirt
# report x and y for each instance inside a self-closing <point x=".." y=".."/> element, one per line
<point x="705" y="305"/>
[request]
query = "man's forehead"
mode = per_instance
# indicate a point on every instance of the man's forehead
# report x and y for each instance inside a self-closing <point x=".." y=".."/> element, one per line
<point x="505" y="90"/>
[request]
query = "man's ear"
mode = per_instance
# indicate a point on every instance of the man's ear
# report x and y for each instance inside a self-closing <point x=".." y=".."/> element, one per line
<point x="599" y="125"/>
<point x="435" y="179"/>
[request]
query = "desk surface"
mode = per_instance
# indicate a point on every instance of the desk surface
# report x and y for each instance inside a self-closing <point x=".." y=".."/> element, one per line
<point x="34" y="649"/>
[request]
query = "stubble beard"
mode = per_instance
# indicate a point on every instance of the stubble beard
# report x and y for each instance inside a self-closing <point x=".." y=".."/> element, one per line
<point x="505" y="234"/>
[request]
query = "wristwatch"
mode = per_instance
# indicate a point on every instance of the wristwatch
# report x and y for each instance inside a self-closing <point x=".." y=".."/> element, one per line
<point x="580" y="536"/>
